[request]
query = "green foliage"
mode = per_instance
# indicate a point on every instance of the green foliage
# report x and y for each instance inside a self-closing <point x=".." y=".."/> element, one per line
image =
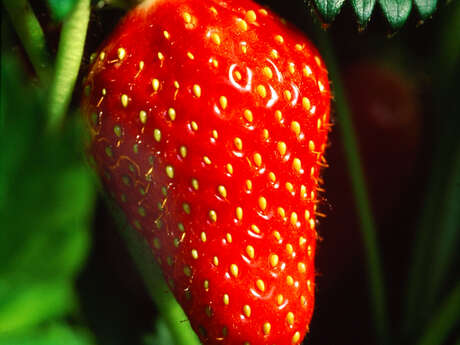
<point x="395" y="11"/>
<point x="46" y="200"/>
<point x="56" y="334"/>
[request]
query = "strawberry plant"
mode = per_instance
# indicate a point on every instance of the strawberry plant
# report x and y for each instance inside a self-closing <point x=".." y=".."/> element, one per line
<point x="207" y="127"/>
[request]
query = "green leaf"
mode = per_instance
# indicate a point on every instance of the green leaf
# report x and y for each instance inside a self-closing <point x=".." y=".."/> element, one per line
<point x="53" y="335"/>
<point x="396" y="11"/>
<point x="363" y="10"/>
<point x="46" y="201"/>
<point x="23" y="305"/>
<point x="61" y="8"/>
<point x="329" y="9"/>
<point x="426" y="7"/>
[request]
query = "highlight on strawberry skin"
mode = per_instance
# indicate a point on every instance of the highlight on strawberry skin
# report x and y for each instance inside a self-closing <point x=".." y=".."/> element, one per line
<point x="209" y="122"/>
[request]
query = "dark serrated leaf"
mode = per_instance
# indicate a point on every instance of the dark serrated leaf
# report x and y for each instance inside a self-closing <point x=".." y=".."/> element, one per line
<point x="61" y="8"/>
<point x="425" y="7"/>
<point x="363" y="10"/>
<point x="329" y="9"/>
<point x="396" y="11"/>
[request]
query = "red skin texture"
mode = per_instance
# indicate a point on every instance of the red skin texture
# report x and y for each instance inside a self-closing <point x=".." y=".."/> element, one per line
<point x="158" y="211"/>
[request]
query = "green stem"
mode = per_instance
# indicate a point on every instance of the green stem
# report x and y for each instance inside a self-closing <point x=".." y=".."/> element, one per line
<point x="417" y="270"/>
<point x="169" y="309"/>
<point x="68" y="60"/>
<point x="444" y="320"/>
<point x="31" y="35"/>
<point x="368" y="228"/>
<point x="444" y="251"/>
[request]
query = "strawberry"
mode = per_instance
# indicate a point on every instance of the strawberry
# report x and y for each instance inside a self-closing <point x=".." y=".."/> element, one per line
<point x="208" y="122"/>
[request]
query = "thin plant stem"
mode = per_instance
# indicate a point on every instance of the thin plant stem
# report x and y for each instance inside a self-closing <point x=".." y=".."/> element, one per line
<point x="448" y="235"/>
<point x="354" y="165"/>
<point x="444" y="320"/>
<point x="170" y="311"/>
<point x="68" y="60"/>
<point x="419" y="261"/>
<point x="31" y="35"/>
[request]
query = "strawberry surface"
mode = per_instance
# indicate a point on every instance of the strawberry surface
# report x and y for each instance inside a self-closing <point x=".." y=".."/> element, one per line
<point x="208" y="122"/>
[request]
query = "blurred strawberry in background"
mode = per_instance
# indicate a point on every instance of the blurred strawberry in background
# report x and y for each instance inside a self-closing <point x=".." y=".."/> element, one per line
<point x="387" y="119"/>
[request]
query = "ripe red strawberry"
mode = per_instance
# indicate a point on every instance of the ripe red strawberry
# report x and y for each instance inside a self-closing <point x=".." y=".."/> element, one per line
<point x="209" y="121"/>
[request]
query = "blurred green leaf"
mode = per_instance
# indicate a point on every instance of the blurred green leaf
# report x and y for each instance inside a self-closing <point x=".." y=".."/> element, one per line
<point x="22" y="305"/>
<point x="46" y="200"/>
<point x="52" y="335"/>
<point x="61" y="8"/>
